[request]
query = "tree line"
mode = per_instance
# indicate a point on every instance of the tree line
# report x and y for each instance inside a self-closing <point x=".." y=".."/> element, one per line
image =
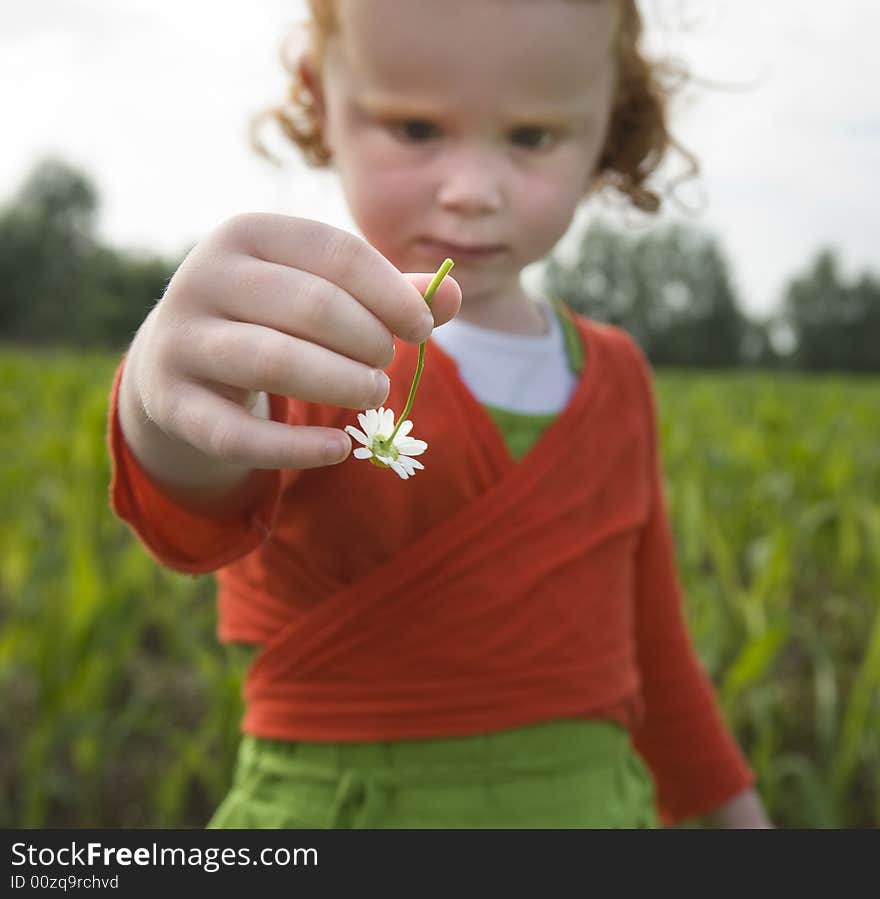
<point x="670" y="288"/>
<point x="59" y="284"/>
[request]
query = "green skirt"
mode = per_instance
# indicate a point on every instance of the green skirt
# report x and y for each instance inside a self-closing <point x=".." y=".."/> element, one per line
<point x="571" y="773"/>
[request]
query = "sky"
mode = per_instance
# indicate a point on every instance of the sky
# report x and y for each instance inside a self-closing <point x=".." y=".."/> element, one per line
<point x="152" y="99"/>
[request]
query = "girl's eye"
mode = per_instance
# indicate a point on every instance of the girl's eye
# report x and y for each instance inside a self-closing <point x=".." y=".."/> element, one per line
<point x="532" y="138"/>
<point x="415" y="130"/>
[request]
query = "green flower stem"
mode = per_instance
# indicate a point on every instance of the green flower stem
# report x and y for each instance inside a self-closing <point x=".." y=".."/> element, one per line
<point x="442" y="272"/>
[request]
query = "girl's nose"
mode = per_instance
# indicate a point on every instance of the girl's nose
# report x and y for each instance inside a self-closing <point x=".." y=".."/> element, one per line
<point x="471" y="183"/>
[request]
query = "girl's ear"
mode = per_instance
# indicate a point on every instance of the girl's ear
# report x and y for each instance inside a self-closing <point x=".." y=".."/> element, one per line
<point x="310" y="79"/>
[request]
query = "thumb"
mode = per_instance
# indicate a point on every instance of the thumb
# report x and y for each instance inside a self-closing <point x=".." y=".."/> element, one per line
<point x="447" y="299"/>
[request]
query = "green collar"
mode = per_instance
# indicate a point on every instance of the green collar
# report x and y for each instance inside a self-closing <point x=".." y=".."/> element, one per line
<point x="574" y="347"/>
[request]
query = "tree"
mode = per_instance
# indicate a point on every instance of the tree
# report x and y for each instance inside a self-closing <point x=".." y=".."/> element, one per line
<point x="46" y="236"/>
<point x="120" y="289"/>
<point x="58" y="284"/>
<point x="669" y="289"/>
<point x="836" y="325"/>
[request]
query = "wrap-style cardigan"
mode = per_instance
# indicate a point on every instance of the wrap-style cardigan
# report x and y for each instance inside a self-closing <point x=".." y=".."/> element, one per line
<point x="479" y="595"/>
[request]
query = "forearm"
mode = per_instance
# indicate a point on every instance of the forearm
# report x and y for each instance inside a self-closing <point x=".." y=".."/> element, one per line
<point x="744" y="811"/>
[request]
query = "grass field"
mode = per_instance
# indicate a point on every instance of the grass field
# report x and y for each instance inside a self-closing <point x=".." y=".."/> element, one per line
<point x="121" y="710"/>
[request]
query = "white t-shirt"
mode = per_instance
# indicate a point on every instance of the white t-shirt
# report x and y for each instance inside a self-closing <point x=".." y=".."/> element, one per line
<point x="517" y="372"/>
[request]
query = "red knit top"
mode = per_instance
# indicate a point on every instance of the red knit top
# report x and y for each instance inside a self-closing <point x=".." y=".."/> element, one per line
<point x="481" y="594"/>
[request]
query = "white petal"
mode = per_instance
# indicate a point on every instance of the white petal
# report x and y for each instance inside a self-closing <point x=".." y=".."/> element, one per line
<point x="411" y="447"/>
<point x="397" y="467"/>
<point x="360" y="437"/>
<point x="404" y="462"/>
<point x="362" y="453"/>
<point x="369" y="422"/>
<point x="405" y="428"/>
<point x="388" y="422"/>
<point x="409" y="464"/>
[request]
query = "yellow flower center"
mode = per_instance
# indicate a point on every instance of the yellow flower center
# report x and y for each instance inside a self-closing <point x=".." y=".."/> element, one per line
<point x="384" y="446"/>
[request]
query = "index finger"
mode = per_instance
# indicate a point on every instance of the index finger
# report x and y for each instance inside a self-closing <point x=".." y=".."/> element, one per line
<point x="343" y="259"/>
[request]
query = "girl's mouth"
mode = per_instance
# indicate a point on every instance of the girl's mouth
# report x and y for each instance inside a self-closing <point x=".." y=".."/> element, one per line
<point x="461" y="252"/>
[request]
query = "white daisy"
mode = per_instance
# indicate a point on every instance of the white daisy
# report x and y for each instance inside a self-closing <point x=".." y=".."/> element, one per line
<point x="380" y="449"/>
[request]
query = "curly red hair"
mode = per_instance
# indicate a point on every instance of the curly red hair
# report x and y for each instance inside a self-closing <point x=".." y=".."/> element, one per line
<point x="638" y="134"/>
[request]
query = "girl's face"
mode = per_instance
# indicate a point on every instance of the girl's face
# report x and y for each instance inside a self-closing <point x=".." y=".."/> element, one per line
<point x="467" y="125"/>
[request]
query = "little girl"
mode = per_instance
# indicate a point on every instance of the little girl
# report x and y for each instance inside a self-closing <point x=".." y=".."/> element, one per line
<point x="495" y="638"/>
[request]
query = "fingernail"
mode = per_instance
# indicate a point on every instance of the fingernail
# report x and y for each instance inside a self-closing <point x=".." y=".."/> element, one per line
<point x="383" y="385"/>
<point x="336" y="449"/>
<point x="425" y="328"/>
